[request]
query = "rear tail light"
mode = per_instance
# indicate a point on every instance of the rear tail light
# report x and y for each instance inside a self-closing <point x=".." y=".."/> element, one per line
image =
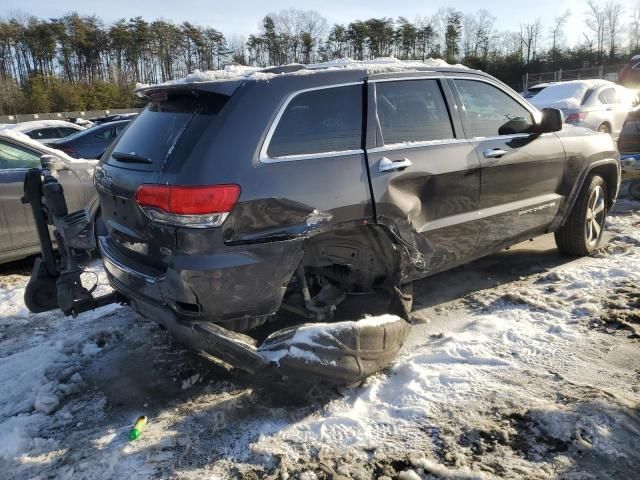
<point x="196" y="207"/>
<point x="575" y="117"/>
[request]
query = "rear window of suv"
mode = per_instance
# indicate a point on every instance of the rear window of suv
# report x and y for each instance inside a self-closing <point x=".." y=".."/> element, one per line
<point x="169" y="126"/>
<point x="326" y="120"/>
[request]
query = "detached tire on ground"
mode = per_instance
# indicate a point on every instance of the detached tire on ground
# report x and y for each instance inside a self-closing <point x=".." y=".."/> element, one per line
<point x="342" y="353"/>
<point x="582" y="232"/>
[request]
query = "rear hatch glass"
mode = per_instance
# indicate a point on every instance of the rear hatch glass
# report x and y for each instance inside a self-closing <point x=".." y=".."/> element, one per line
<point x="166" y="130"/>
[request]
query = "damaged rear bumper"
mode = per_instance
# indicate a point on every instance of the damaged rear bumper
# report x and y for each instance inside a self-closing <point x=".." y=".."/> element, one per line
<point x="340" y="353"/>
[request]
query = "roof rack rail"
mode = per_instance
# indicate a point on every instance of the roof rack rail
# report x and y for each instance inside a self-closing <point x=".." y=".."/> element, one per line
<point x="292" y="67"/>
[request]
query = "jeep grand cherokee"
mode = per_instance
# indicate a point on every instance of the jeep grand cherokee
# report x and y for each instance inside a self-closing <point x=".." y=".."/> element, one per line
<point x="226" y="201"/>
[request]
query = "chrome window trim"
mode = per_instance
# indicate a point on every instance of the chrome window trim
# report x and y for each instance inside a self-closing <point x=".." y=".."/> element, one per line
<point x="425" y="143"/>
<point x="430" y="76"/>
<point x="265" y="158"/>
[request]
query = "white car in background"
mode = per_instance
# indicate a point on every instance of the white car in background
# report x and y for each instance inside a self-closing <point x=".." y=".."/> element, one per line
<point x="597" y="104"/>
<point x="46" y="130"/>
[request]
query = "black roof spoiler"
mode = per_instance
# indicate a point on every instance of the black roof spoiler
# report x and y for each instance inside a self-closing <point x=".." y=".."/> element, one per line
<point x="223" y="87"/>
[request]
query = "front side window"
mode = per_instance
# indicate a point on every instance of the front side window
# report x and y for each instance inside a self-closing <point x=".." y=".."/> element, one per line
<point x="15" y="157"/>
<point x="320" y="121"/>
<point x="491" y="112"/>
<point x="412" y="111"/>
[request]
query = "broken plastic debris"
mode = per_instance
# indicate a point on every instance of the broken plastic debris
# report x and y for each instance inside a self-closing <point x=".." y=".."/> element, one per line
<point x="136" y="431"/>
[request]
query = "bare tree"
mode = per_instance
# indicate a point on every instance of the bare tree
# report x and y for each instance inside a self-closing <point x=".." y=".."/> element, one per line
<point x="612" y="12"/>
<point x="237" y="45"/>
<point x="557" y="29"/>
<point x="529" y="34"/>
<point x="596" y="22"/>
<point x="634" y="30"/>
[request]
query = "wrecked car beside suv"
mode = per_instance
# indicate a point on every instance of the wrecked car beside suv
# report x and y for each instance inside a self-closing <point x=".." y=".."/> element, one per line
<point x="321" y="190"/>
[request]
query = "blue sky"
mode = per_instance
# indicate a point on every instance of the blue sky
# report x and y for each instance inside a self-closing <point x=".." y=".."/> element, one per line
<point x="243" y="16"/>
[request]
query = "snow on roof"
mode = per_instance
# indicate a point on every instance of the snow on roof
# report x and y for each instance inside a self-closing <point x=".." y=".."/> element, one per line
<point x="13" y="134"/>
<point x="566" y="95"/>
<point x="240" y="72"/>
<point x="35" y="124"/>
<point x="635" y="57"/>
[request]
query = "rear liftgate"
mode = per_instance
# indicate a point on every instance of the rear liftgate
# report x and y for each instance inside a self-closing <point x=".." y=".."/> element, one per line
<point x="337" y="353"/>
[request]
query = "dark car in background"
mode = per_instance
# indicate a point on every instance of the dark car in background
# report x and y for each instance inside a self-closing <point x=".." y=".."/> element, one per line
<point x="629" y="76"/>
<point x="92" y="142"/>
<point x="18" y="238"/>
<point x="629" y="147"/>
<point x="113" y="118"/>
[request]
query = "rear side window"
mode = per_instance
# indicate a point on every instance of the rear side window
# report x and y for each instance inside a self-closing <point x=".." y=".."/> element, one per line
<point x="320" y="121"/>
<point x="491" y="112"/>
<point x="412" y="111"/>
<point x="170" y="125"/>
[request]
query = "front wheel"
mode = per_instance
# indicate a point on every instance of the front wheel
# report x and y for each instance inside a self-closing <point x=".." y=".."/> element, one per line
<point x="582" y="232"/>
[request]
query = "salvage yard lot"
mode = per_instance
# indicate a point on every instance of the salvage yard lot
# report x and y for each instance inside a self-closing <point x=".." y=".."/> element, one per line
<point x="524" y="364"/>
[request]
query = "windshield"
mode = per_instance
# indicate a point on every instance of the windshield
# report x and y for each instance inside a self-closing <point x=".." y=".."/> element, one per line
<point x="157" y="133"/>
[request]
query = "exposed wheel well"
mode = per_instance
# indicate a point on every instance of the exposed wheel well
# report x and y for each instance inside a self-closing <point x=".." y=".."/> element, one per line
<point x="356" y="259"/>
<point x="609" y="172"/>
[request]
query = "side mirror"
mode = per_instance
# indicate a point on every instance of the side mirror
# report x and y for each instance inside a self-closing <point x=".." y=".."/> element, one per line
<point x="51" y="163"/>
<point x="552" y="120"/>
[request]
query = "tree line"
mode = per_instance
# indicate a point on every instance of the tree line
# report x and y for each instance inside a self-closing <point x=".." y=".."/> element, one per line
<point x="79" y="62"/>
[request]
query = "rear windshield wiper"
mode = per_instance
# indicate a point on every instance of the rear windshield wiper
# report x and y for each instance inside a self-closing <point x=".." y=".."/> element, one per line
<point x="130" y="158"/>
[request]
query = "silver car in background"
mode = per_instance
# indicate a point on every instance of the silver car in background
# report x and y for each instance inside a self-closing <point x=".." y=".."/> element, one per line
<point x="19" y="153"/>
<point x="597" y="104"/>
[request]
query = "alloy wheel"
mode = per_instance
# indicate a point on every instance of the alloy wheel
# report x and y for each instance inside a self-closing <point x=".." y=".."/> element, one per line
<point x="595" y="216"/>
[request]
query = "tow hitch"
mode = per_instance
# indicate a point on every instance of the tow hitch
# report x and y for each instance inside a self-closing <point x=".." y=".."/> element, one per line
<point x="336" y="353"/>
<point x="55" y="280"/>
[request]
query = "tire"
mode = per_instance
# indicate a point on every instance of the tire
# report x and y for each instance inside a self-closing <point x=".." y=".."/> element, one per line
<point x="604" y="128"/>
<point x="582" y="232"/>
<point x="634" y="189"/>
<point x="344" y="354"/>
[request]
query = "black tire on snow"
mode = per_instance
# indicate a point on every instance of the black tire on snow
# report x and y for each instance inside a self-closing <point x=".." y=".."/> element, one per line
<point x="572" y="237"/>
<point x="346" y="354"/>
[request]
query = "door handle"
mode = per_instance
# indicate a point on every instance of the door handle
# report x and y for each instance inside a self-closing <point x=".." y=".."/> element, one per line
<point x="609" y="109"/>
<point x="387" y="165"/>
<point x="494" y="153"/>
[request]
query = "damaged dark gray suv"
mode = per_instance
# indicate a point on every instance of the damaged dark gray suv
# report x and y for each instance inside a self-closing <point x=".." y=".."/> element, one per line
<point x="324" y="191"/>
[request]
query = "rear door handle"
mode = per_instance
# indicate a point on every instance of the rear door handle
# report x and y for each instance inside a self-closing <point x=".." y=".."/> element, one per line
<point x="494" y="153"/>
<point x="387" y="165"/>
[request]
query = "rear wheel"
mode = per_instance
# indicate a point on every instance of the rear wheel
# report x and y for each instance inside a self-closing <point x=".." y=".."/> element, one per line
<point x="582" y="232"/>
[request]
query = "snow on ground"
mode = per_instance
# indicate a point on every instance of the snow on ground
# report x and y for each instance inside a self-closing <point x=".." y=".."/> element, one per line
<point x="533" y="372"/>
